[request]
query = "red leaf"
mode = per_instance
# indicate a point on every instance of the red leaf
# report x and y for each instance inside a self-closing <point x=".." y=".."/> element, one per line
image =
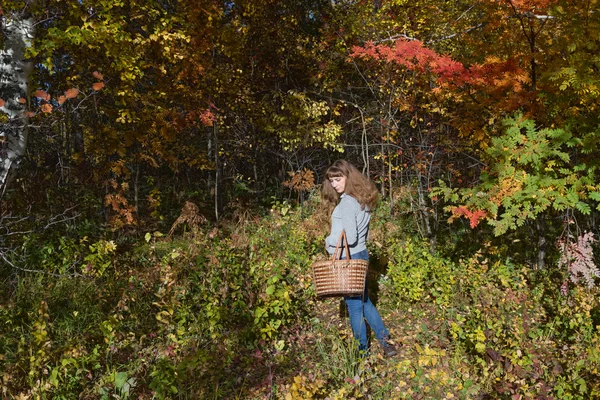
<point x="207" y="118"/>
<point x="475" y="217"/>
<point x="41" y="94"/>
<point x="72" y="93"/>
<point x="2" y="103"/>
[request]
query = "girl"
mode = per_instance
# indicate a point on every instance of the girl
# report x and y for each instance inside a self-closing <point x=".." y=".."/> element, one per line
<point x="348" y="196"/>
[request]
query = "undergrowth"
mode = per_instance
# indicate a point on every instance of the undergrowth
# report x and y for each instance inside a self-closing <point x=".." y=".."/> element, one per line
<point x="230" y="312"/>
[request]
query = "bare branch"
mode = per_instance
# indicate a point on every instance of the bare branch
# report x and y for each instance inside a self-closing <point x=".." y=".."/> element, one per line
<point x="458" y="33"/>
<point x="38" y="271"/>
<point x="57" y="219"/>
<point x="8" y="221"/>
<point x="394" y="38"/>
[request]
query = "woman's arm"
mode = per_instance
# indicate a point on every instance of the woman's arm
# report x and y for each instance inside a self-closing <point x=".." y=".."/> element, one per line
<point x="351" y="227"/>
<point x="334" y="235"/>
<point x="344" y="218"/>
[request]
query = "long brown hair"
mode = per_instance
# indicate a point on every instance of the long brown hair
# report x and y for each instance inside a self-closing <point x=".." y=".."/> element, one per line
<point x="357" y="185"/>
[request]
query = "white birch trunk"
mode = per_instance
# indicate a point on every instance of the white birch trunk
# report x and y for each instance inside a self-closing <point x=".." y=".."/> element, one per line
<point x="14" y="75"/>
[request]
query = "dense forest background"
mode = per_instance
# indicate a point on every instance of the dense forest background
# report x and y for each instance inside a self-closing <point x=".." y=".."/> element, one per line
<point x="159" y="208"/>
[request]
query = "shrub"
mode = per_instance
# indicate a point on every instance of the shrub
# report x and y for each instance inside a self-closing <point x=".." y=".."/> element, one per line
<point x="415" y="273"/>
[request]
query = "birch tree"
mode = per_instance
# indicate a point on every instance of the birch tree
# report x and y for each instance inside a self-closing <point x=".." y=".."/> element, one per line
<point x="17" y="31"/>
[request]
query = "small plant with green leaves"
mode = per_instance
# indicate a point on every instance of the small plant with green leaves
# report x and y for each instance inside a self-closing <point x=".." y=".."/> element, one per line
<point x="531" y="172"/>
<point x="415" y="273"/>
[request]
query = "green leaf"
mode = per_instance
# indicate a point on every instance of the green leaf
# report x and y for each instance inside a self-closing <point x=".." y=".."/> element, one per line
<point x="54" y="377"/>
<point x="584" y="208"/>
<point x="120" y="379"/>
<point x="259" y="312"/>
<point x="595" y="196"/>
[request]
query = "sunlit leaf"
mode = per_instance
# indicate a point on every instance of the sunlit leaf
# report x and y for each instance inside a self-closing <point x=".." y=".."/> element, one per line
<point x="41" y="94"/>
<point x="71" y="93"/>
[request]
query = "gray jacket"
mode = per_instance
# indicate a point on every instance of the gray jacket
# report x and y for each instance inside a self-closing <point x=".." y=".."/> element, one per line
<point x="349" y="216"/>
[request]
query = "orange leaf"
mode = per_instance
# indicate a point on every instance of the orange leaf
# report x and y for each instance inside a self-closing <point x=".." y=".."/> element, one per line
<point x="41" y="94"/>
<point x="2" y="103"/>
<point x="97" y="86"/>
<point x="47" y="108"/>
<point x="72" y="93"/>
<point x="22" y="100"/>
<point x="29" y="114"/>
<point x="61" y="100"/>
<point x="97" y="75"/>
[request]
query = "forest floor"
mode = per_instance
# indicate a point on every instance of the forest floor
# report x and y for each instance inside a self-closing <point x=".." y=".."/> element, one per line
<point x="420" y="370"/>
<point x="418" y="334"/>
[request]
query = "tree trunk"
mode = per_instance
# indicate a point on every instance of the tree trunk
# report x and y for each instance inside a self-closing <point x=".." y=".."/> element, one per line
<point x="218" y="175"/>
<point x="364" y="145"/>
<point x="14" y="75"/>
<point x="540" y="224"/>
<point x="383" y="171"/>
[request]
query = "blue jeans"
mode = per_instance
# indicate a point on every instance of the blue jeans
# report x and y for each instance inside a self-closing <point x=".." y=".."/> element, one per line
<point x="361" y="308"/>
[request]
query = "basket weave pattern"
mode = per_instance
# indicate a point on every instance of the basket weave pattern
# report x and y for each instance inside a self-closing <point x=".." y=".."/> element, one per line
<point x="340" y="277"/>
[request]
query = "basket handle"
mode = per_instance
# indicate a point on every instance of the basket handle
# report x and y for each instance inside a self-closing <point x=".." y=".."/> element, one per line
<point x="339" y="249"/>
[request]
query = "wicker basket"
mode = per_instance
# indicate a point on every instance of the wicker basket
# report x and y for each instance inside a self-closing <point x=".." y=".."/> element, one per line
<point x="340" y="277"/>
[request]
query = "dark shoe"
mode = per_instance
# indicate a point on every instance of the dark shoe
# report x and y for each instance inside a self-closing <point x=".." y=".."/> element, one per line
<point x="389" y="350"/>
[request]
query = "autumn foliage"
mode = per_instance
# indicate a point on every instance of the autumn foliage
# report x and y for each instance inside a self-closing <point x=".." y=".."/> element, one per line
<point x="473" y="217"/>
<point x="157" y="236"/>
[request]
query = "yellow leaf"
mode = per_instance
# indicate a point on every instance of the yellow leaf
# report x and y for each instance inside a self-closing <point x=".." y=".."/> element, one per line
<point x="419" y="348"/>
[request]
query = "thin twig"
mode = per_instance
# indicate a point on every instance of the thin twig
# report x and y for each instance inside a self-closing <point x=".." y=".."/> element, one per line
<point x="38" y="271"/>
